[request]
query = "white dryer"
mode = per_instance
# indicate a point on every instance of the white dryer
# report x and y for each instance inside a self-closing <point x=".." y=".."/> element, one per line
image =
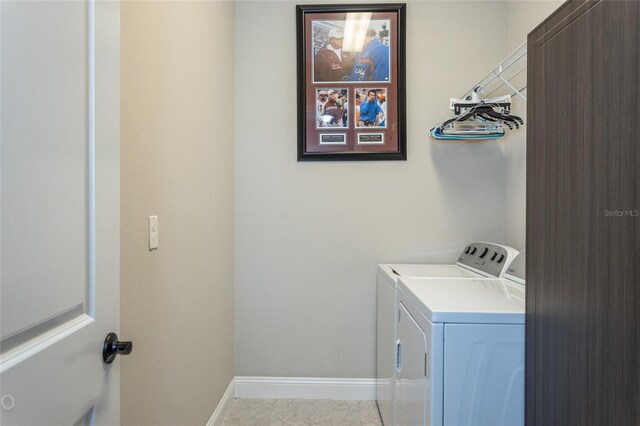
<point x="477" y="261"/>
<point x="460" y="357"/>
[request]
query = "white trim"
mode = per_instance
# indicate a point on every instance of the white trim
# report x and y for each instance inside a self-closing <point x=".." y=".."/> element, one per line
<point x="223" y="406"/>
<point x="305" y="388"/>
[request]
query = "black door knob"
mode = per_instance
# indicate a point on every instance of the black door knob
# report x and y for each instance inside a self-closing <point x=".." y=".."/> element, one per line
<point x="112" y="347"/>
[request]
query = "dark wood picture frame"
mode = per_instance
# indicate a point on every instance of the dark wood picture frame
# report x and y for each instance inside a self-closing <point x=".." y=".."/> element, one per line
<point x="332" y="95"/>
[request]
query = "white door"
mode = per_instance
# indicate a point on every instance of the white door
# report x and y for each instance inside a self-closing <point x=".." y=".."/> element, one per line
<point x="59" y="233"/>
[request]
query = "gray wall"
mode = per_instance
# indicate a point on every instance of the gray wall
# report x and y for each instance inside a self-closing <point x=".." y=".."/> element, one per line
<point x="522" y="17"/>
<point x="309" y="235"/>
<point x="177" y="163"/>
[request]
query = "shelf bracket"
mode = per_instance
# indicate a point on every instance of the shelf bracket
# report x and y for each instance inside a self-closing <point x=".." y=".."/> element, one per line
<point x="516" y="91"/>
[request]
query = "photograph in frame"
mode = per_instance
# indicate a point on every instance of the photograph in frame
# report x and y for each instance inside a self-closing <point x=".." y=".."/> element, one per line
<point x="370" y="107"/>
<point x="350" y="54"/>
<point x="351" y="62"/>
<point x="332" y="108"/>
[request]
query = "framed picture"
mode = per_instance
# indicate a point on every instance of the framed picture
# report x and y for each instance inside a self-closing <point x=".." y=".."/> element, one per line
<point x="351" y="82"/>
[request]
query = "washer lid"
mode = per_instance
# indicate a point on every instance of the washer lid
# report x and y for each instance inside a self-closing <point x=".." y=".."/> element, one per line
<point x="394" y="271"/>
<point x="488" y="301"/>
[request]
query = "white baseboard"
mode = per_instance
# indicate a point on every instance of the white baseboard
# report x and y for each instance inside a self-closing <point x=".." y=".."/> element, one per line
<point x="223" y="406"/>
<point x="305" y="388"/>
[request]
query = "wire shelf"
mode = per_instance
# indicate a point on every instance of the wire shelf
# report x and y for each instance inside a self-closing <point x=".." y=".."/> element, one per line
<point x="503" y="73"/>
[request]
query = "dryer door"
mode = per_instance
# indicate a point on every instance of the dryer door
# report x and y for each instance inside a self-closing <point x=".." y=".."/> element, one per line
<point x="411" y="365"/>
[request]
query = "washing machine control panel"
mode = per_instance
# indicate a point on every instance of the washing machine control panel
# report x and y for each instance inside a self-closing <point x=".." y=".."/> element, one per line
<point x="488" y="258"/>
<point x="517" y="269"/>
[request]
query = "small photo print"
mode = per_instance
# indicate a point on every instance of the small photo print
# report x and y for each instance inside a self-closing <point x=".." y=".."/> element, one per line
<point x="333" y="139"/>
<point x="371" y="107"/>
<point x="332" y="108"/>
<point x="370" y="138"/>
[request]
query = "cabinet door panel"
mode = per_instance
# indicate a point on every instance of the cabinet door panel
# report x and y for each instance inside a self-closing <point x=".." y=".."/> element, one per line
<point x="583" y="227"/>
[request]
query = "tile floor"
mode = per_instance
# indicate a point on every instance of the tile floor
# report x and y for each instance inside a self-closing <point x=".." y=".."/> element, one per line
<point x="302" y="412"/>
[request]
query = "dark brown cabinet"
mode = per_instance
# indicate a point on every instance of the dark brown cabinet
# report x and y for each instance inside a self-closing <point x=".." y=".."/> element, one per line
<point x="583" y="221"/>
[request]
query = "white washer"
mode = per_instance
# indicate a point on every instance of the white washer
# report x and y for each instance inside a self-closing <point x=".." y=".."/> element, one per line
<point x="461" y="350"/>
<point x="478" y="260"/>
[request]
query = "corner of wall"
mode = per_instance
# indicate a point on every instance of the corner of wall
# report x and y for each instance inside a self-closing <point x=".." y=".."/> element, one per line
<point x="177" y="156"/>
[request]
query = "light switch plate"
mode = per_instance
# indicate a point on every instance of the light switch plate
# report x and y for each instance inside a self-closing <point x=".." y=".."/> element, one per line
<point x="153" y="232"/>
